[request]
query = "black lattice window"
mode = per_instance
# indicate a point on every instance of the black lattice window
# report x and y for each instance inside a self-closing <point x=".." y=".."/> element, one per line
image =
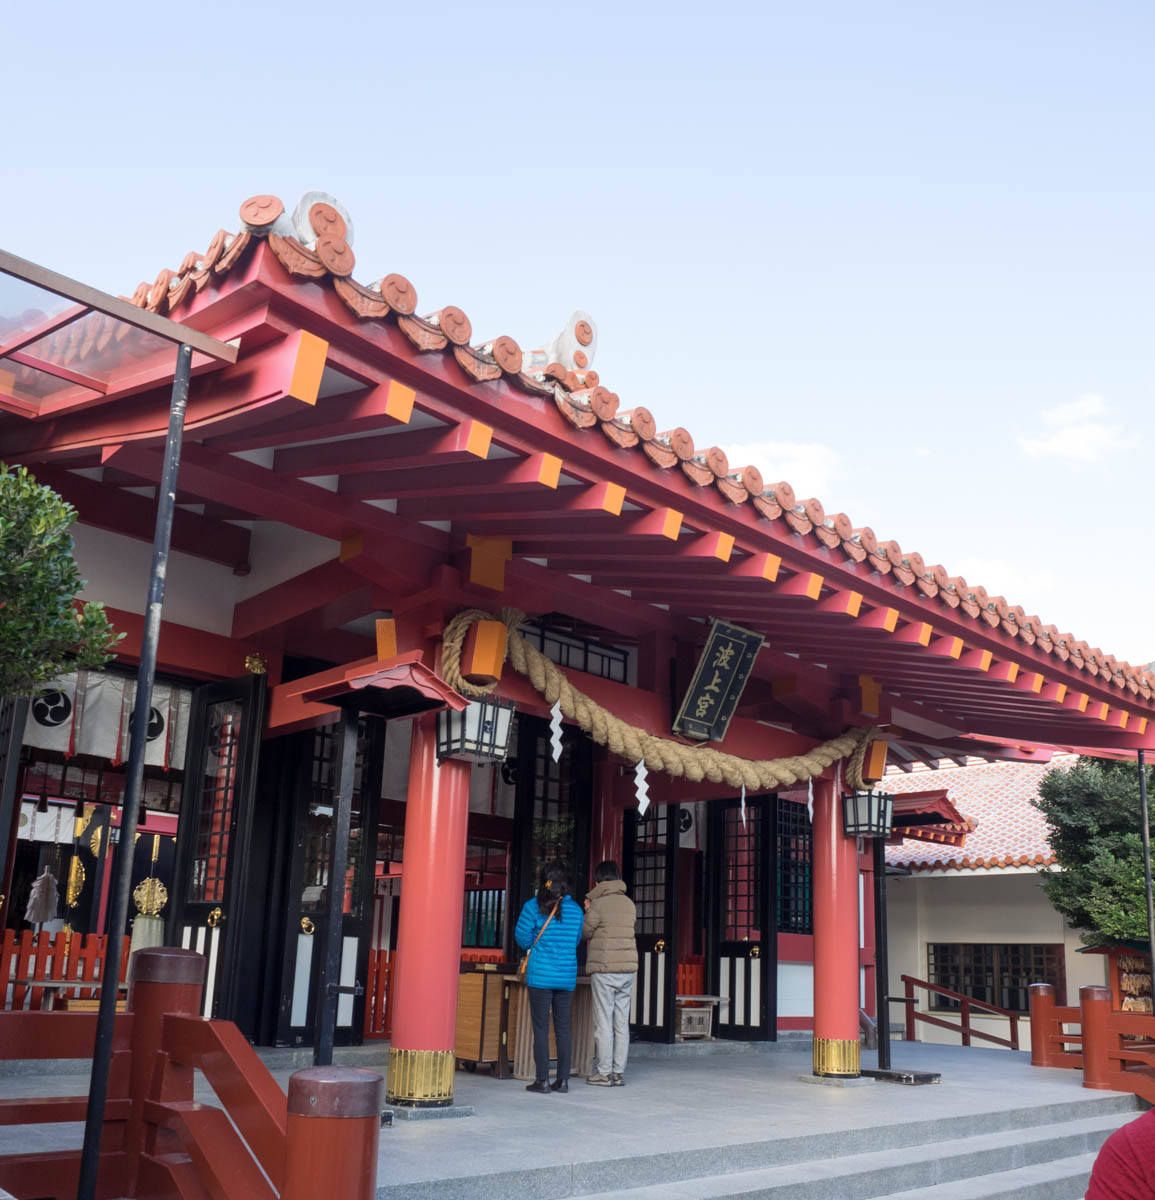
<point x="653" y="833"/>
<point x="318" y="830"/>
<point x="795" y="857"/>
<point x="554" y="807"/>
<point x="578" y="653"/>
<point x="217" y="791"/>
<point x="741" y="919"/>
<point x="998" y="974"/>
<point x="486" y="879"/>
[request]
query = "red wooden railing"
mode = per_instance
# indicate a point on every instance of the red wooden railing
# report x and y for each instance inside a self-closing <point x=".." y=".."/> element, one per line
<point x="1116" y="1049"/>
<point x="379" y="996"/>
<point x="691" y="977"/>
<point x="158" y="1142"/>
<point x="52" y="956"/>
<point x="967" y="1006"/>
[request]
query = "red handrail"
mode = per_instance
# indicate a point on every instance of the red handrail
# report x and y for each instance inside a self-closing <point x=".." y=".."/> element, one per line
<point x="966" y="1005"/>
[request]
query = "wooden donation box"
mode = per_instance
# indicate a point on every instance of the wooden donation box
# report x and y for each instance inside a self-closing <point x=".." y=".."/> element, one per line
<point x="494" y="1025"/>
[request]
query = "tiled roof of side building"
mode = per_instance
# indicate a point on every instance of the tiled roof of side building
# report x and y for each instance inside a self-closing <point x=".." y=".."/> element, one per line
<point x="996" y="797"/>
<point x="314" y="243"/>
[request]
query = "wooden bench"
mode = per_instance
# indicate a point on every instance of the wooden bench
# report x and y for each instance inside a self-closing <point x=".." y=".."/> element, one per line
<point x="695" y="1017"/>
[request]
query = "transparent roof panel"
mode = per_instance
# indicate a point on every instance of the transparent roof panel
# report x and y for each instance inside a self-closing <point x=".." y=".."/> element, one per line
<point x="62" y="342"/>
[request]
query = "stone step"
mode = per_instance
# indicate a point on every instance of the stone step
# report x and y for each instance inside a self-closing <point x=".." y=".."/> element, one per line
<point x="974" y="1162"/>
<point x="656" y="1176"/>
<point x="1063" y="1179"/>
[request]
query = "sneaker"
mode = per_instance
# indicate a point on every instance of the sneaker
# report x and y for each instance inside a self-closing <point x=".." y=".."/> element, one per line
<point x="538" y="1085"/>
<point x="600" y="1080"/>
<point x="559" y="1085"/>
<point x="617" y="1080"/>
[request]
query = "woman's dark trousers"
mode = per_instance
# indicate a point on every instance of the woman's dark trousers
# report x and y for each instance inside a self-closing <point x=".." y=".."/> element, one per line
<point x="540" y="1000"/>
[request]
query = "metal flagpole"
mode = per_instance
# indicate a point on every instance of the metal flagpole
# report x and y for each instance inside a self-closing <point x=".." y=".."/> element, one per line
<point x="329" y="984"/>
<point x="134" y="775"/>
<point x="1147" y="860"/>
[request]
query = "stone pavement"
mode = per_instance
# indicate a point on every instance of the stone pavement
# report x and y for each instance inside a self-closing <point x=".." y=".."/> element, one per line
<point x="682" y="1116"/>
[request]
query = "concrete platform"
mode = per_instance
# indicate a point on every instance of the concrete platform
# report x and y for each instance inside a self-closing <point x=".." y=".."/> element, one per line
<point x="729" y="1124"/>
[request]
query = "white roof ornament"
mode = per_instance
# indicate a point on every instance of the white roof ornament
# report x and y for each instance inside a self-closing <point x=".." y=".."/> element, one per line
<point x="304" y="226"/>
<point x="574" y="348"/>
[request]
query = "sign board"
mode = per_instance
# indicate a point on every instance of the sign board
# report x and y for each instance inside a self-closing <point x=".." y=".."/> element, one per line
<point x="718" y="682"/>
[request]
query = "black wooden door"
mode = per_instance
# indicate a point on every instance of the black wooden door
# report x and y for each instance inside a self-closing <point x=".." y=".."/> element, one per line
<point x="743" y="954"/>
<point x="551" y="814"/>
<point x="208" y="911"/>
<point x="310" y="871"/>
<point x="651" y="854"/>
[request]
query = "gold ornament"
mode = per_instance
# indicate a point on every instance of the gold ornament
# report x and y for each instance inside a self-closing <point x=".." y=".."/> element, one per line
<point x="76" y="877"/>
<point x="150" y="896"/>
<point x="256" y="664"/>
<point x="94" y="841"/>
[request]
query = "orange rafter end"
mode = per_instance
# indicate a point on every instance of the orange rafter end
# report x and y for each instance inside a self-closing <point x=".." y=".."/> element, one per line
<point x="950" y="647"/>
<point x="352" y="545"/>
<point x="308" y="367"/>
<point x="721" y="545"/>
<point x="802" y="583"/>
<point x="487" y="560"/>
<point x="548" y="469"/>
<point x="874" y="765"/>
<point x="671" y="523"/>
<point x="483" y="653"/>
<point x="870" y="692"/>
<point x="1118" y="717"/>
<point x="882" y="618"/>
<point x="612" y="496"/>
<point x="386" y="638"/>
<point x="1032" y="681"/>
<point x="478" y="437"/>
<point x="399" y="402"/>
<point x="918" y="633"/>
<point x="1098" y="710"/>
<point x="759" y="566"/>
<point x="1141" y="727"/>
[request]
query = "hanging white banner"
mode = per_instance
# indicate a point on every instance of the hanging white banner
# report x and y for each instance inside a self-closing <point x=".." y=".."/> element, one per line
<point x="52" y="717"/>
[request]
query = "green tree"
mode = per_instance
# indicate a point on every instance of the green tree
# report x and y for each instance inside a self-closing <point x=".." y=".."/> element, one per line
<point x="1096" y="834"/>
<point x="43" y="632"/>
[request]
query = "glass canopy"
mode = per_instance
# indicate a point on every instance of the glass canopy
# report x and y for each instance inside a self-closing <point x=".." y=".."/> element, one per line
<point x="63" y="343"/>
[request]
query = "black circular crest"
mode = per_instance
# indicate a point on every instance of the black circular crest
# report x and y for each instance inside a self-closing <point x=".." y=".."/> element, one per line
<point x="155" y="724"/>
<point x="685" y="820"/>
<point x="51" y="709"/>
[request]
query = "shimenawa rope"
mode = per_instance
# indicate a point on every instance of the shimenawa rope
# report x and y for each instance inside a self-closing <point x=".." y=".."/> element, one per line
<point x="695" y="763"/>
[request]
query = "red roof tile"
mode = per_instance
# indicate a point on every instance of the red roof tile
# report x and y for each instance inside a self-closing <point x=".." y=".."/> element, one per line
<point x="314" y="243"/>
<point x="1008" y="830"/>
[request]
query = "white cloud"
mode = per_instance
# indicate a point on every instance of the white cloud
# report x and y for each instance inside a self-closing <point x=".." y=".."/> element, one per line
<point x="809" y="467"/>
<point x="1077" y="435"/>
<point x="1080" y="409"/>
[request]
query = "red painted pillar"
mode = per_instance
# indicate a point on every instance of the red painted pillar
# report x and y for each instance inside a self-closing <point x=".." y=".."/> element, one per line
<point x="836" y="979"/>
<point x="1042" y="1024"/>
<point x="1095" y="1012"/>
<point x="421" y="1057"/>
<point x="332" y="1134"/>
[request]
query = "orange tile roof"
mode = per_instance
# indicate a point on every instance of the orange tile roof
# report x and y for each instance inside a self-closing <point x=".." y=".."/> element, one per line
<point x="1008" y="831"/>
<point x="314" y="243"/>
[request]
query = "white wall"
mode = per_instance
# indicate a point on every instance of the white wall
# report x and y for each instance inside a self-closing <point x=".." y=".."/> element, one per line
<point x="983" y="907"/>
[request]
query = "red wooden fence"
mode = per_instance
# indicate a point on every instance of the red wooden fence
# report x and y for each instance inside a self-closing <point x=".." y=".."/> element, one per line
<point x="1116" y="1050"/>
<point x="379" y="995"/>
<point x="967" y="1007"/>
<point x="52" y="956"/>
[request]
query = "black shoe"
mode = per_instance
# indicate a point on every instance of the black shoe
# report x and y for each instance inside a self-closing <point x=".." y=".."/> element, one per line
<point x="617" y="1080"/>
<point x="559" y="1085"/>
<point x="539" y="1085"/>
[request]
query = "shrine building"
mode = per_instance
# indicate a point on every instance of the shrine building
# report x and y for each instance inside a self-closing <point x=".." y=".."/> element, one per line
<point x="543" y="625"/>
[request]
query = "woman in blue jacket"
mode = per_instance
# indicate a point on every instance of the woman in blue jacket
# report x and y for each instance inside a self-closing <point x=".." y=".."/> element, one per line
<point x="550" y="928"/>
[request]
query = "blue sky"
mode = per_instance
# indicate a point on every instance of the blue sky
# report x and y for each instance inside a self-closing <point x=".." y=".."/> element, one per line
<point x="899" y="254"/>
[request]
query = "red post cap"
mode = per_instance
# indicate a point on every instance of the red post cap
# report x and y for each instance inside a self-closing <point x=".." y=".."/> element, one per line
<point x="168" y="964"/>
<point x="335" y="1092"/>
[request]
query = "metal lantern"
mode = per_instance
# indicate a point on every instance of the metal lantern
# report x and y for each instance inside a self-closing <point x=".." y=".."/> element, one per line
<point x="867" y="813"/>
<point x="479" y="733"/>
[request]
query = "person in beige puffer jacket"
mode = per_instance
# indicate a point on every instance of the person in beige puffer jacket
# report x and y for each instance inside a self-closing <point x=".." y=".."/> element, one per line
<point x="611" y="963"/>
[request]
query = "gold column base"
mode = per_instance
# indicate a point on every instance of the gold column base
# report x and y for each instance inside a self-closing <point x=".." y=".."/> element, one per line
<point x="420" y="1078"/>
<point x="837" y="1056"/>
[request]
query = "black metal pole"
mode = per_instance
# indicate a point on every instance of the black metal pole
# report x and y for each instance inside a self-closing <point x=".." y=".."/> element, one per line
<point x="881" y="963"/>
<point x="134" y="775"/>
<point x="1147" y="860"/>
<point x="329" y="984"/>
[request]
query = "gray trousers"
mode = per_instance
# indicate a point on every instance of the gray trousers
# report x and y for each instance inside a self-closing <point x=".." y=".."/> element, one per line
<point x="611" y="995"/>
